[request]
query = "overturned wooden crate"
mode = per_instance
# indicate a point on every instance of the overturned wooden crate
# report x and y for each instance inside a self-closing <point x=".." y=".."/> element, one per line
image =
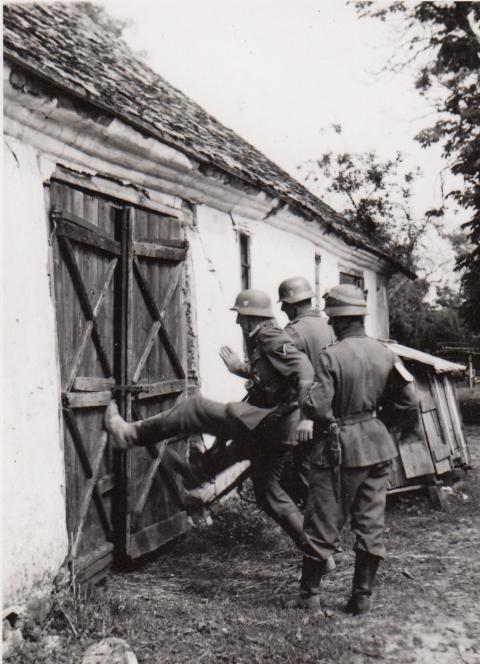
<point x="445" y="446"/>
<point x="420" y="462"/>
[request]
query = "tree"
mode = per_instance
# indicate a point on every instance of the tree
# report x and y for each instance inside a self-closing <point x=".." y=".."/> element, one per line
<point x="442" y="41"/>
<point x="97" y="12"/>
<point x="376" y="196"/>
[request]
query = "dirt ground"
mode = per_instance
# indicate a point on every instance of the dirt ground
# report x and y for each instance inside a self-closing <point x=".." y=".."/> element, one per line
<point x="218" y="595"/>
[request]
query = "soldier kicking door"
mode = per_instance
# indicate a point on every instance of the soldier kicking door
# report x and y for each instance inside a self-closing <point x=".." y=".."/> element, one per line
<point x="118" y="283"/>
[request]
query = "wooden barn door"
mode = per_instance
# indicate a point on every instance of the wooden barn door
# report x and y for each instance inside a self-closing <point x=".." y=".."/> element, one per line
<point x="154" y="365"/>
<point x="118" y="278"/>
<point x="87" y="258"/>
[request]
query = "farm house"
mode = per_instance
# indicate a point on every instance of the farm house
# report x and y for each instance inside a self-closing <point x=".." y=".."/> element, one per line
<point x="132" y="220"/>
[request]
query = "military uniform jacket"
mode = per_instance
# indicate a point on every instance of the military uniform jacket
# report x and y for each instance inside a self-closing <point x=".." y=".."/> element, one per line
<point x="311" y="333"/>
<point x="356" y="376"/>
<point x="280" y="375"/>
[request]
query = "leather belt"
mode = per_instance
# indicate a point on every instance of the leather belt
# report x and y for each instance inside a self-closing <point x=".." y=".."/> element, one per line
<point x="355" y="418"/>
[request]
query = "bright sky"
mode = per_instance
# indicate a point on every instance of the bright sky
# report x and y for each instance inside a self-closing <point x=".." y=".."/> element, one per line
<point x="280" y="73"/>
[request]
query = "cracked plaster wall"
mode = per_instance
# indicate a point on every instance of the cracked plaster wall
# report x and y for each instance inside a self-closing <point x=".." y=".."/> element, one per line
<point x="34" y="530"/>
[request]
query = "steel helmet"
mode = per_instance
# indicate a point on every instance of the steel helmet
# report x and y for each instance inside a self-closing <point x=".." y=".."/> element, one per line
<point x="295" y="290"/>
<point x="345" y="300"/>
<point x="253" y="302"/>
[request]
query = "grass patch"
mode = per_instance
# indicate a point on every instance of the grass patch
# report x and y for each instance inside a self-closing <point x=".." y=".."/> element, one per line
<point x="218" y="595"/>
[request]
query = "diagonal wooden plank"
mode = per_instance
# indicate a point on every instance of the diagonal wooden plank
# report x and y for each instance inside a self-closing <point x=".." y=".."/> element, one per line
<point x="78" y="355"/>
<point x="174" y="283"/>
<point x="166" y="472"/>
<point x="171" y="352"/>
<point x="145" y="290"/>
<point x="152" y="335"/>
<point x="91" y="314"/>
<point x="156" y="326"/>
<point x="84" y="299"/>
<point x="157" y="453"/>
<point x="80" y="350"/>
<point x="90" y="473"/>
<point x="98" y="500"/>
<point x="78" y="442"/>
<point x="148" y="483"/>
<point x="87" y="495"/>
<point x="160" y="315"/>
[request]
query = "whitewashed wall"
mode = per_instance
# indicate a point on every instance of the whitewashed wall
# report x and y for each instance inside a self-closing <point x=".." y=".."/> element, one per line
<point x="34" y="531"/>
<point x="275" y="254"/>
<point x="216" y="282"/>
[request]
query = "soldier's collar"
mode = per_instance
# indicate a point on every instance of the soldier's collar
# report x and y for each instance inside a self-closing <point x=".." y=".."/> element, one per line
<point x="310" y="312"/>
<point x="352" y="333"/>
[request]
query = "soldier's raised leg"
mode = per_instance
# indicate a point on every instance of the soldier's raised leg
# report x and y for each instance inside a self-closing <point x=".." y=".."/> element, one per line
<point x="190" y="416"/>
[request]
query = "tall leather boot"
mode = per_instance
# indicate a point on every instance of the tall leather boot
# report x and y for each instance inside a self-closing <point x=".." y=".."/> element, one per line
<point x="203" y="466"/>
<point x="312" y="572"/>
<point x="212" y="462"/>
<point x="366" y="566"/>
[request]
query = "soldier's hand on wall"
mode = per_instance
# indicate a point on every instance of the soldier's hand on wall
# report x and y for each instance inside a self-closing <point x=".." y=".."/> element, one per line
<point x="232" y="360"/>
<point x="304" y="431"/>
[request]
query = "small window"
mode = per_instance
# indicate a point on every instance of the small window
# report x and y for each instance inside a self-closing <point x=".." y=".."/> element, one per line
<point x="356" y="280"/>
<point x="244" y="241"/>
<point x="318" y="261"/>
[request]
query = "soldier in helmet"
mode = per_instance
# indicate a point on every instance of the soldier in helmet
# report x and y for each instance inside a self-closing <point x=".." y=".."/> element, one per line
<point x="357" y="377"/>
<point x="309" y="330"/>
<point x="311" y="333"/>
<point x="262" y="428"/>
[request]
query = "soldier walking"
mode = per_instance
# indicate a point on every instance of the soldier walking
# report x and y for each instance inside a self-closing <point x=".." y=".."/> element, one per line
<point x="262" y="428"/>
<point x="357" y="379"/>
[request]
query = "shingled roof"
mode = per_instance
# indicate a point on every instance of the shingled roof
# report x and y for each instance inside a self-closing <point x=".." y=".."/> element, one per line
<point x="63" y="45"/>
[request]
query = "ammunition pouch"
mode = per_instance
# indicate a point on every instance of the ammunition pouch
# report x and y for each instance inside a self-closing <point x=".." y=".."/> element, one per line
<point x="264" y="395"/>
<point x="280" y="412"/>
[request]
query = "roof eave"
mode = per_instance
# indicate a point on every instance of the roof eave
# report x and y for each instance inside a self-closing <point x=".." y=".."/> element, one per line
<point x="304" y="210"/>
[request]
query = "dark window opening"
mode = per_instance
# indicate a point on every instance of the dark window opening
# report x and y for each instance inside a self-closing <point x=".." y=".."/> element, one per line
<point x="318" y="260"/>
<point x="244" y="241"/>
<point x="355" y="279"/>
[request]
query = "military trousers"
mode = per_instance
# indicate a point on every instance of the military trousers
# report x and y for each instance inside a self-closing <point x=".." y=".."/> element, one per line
<point x="362" y="498"/>
<point x="255" y="435"/>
